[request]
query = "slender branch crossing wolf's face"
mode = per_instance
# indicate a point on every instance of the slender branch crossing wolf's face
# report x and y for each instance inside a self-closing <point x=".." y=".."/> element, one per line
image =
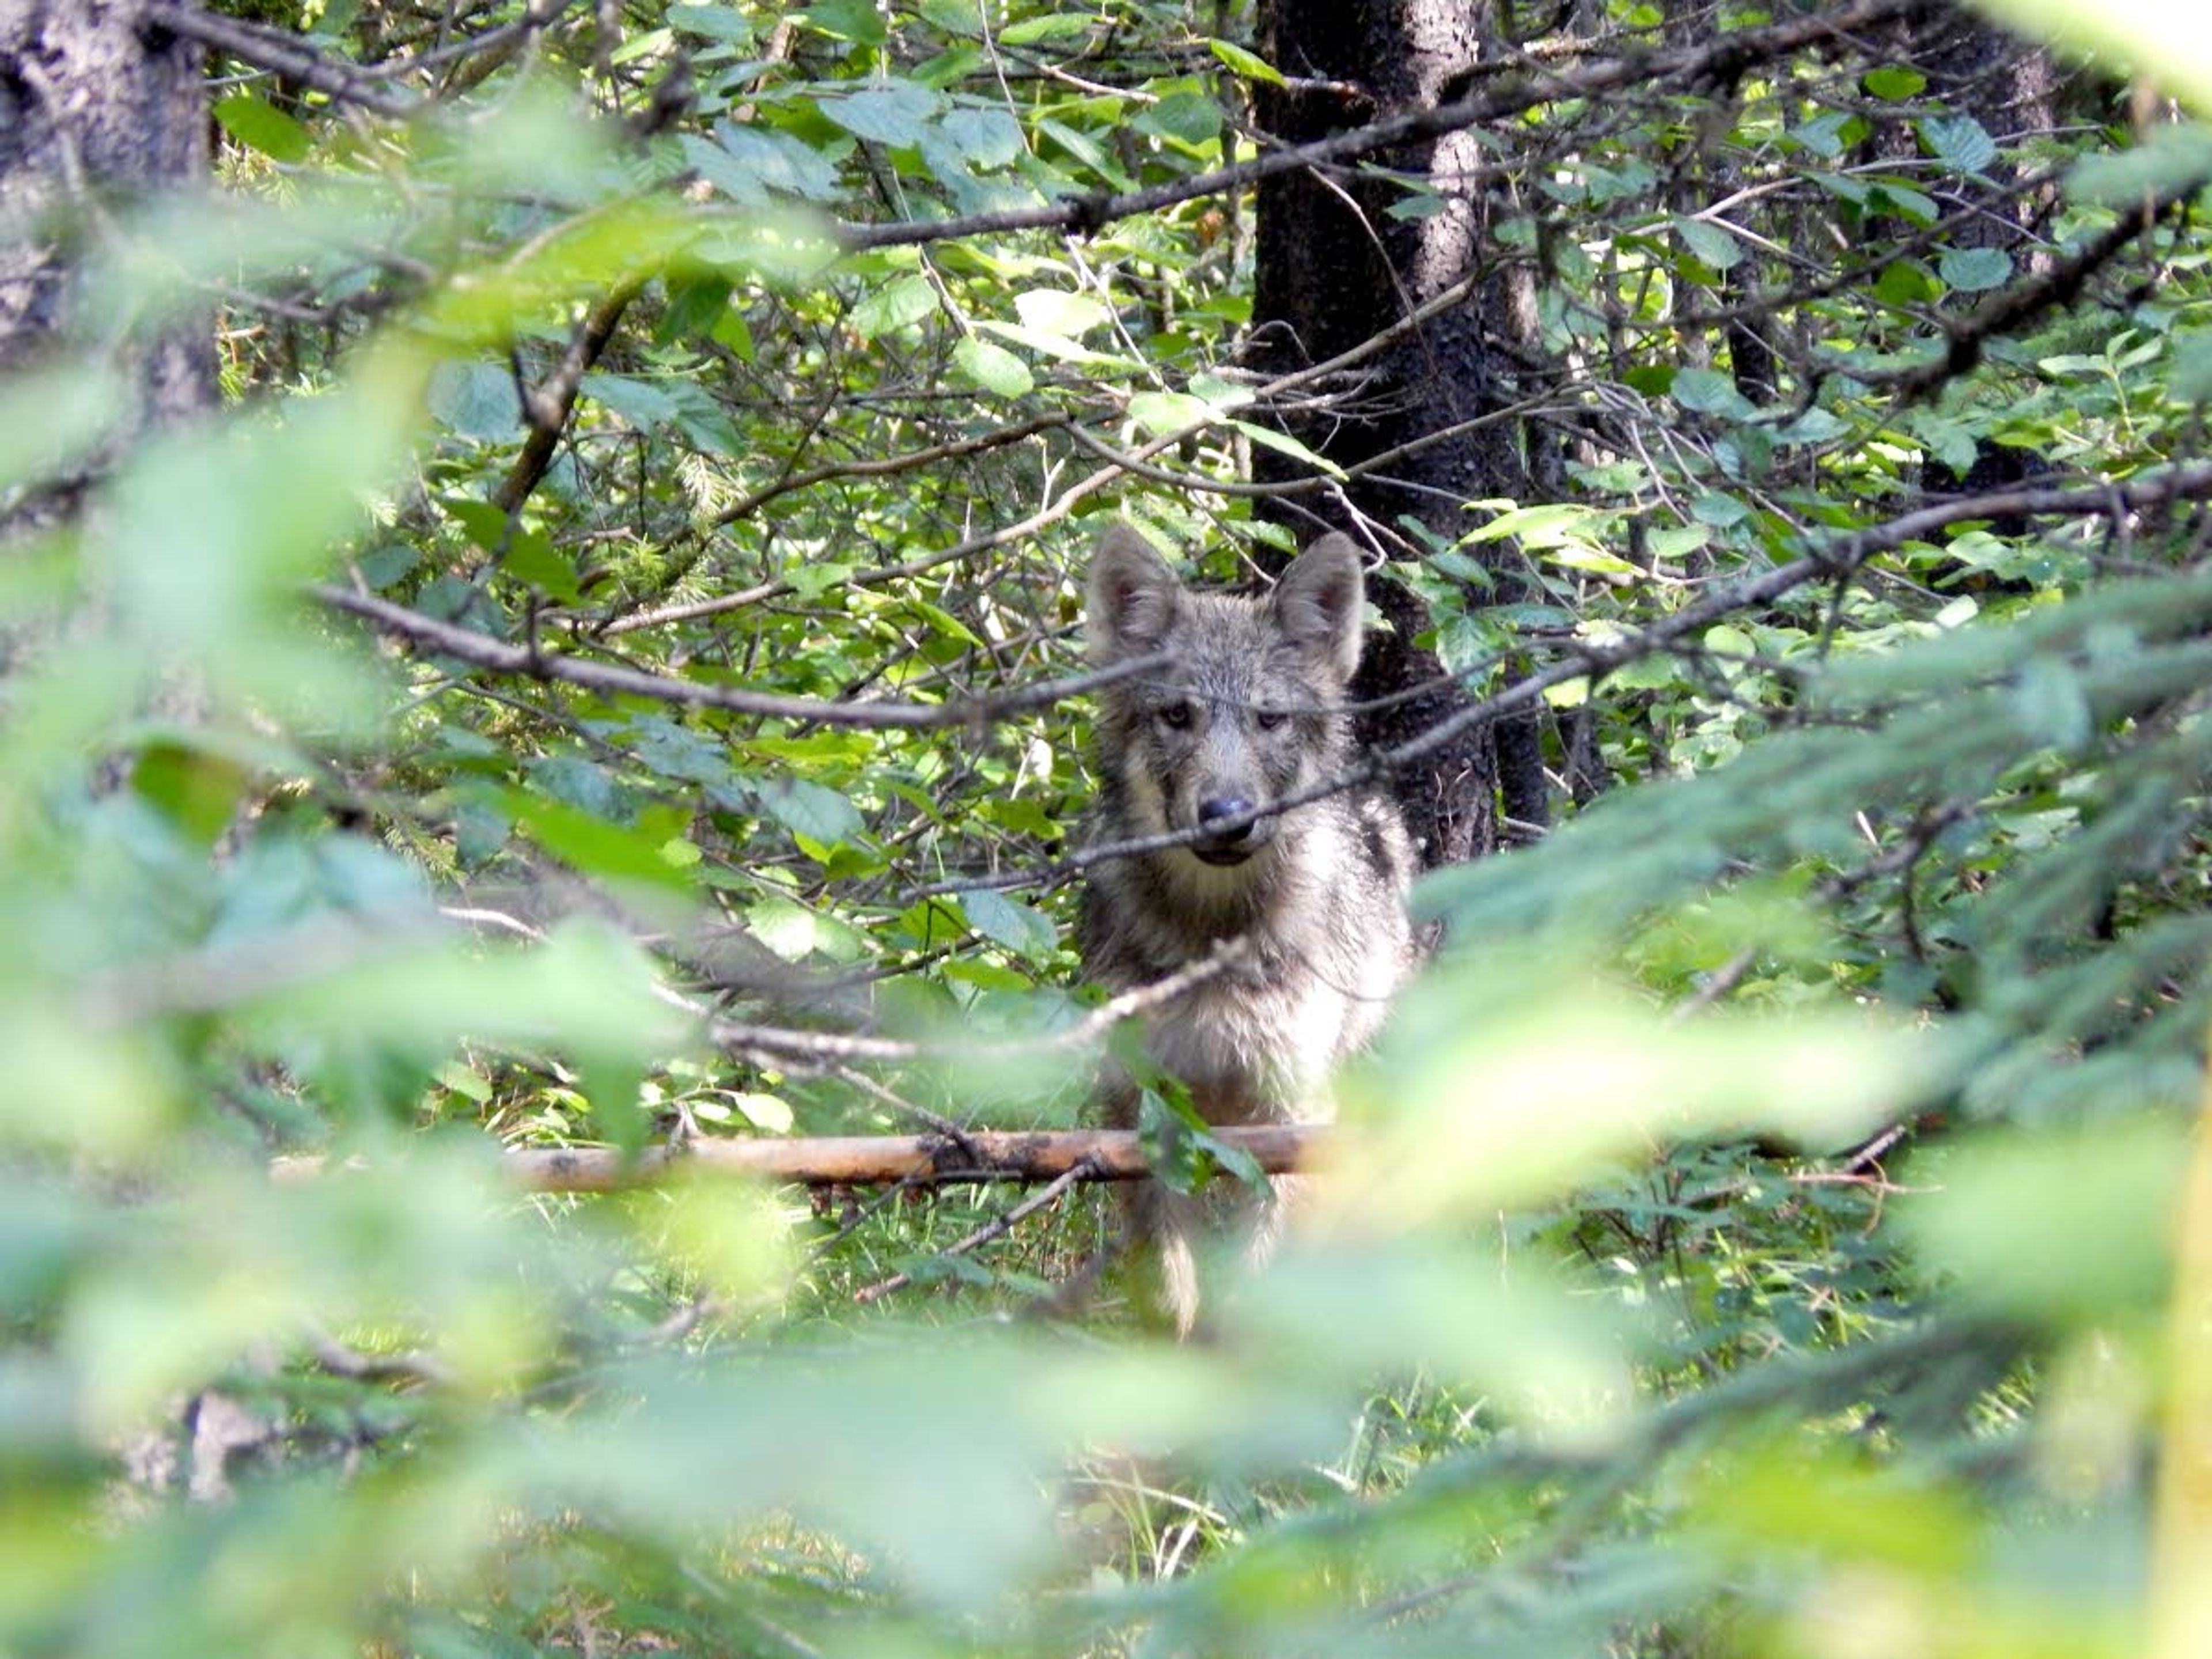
<point x="1244" y="711"/>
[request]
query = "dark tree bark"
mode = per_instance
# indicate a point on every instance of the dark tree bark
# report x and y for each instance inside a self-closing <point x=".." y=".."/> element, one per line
<point x="2010" y="86"/>
<point x="97" y="111"/>
<point x="1334" y="266"/>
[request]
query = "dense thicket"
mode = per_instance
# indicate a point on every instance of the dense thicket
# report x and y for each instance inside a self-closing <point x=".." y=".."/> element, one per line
<point x="589" y="675"/>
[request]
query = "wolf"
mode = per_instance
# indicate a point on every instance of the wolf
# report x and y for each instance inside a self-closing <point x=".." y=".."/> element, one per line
<point x="1306" y="902"/>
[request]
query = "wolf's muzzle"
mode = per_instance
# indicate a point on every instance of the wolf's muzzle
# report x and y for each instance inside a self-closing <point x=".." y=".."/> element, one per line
<point x="1232" y="845"/>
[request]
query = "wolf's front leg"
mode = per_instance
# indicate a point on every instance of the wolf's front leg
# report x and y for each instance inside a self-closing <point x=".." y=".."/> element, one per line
<point x="1164" y="1227"/>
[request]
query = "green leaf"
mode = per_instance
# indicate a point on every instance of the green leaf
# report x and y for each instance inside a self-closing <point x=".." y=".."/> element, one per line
<point x="942" y="623"/>
<point x="1189" y="117"/>
<point x="583" y="784"/>
<point x="723" y="23"/>
<point x="2054" y="1228"/>
<point x="2192" y="366"/>
<point x="531" y="557"/>
<point x="195" y="789"/>
<point x="479" y="831"/>
<point x="770" y="1112"/>
<point x="385" y="568"/>
<point x="1580" y="557"/>
<point x="1056" y="311"/>
<point x="1708" y="392"/>
<point x="483" y="524"/>
<point x="1713" y="243"/>
<point x="695" y="306"/>
<point x="49" y="416"/>
<point x="750" y="166"/>
<point x="1248" y="64"/>
<point x="1894" y="82"/>
<point x="891" y="114"/>
<point x="1057" y="347"/>
<point x="1948" y="440"/>
<point x="593" y="847"/>
<point x="1910" y="203"/>
<point x="898" y="304"/>
<point x="1823" y="135"/>
<point x="642" y="405"/>
<point x="1025" y="932"/>
<point x="1283" y="444"/>
<point x="811" y="809"/>
<point x="1547" y="524"/>
<point x="258" y="124"/>
<point x="1068" y="25"/>
<point x="2051" y="706"/>
<point x="1975" y="269"/>
<point x="1959" y="139"/>
<point x="795" y="932"/>
<point x="1158" y="413"/>
<point x="211" y="528"/>
<point x="985" y="138"/>
<point x="1905" y="282"/>
<point x="784" y="926"/>
<point x="2157" y="36"/>
<point x="2173" y="156"/>
<point x="1677" y="541"/>
<point x="994" y="367"/>
<point x="855" y="21"/>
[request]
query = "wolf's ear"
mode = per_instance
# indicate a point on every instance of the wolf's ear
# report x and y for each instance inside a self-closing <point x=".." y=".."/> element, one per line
<point x="1320" y="603"/>
<point x="1129" y="603"/>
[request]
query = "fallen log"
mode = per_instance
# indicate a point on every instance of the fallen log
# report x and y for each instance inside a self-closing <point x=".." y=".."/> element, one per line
<point x="983" y="1155"/>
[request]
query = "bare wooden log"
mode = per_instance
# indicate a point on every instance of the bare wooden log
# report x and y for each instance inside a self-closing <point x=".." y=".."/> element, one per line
<point x="985" y="1155"/>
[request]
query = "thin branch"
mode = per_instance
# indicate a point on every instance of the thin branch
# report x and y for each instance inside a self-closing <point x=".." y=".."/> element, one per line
<point x="1840" y="556"/>
<point x="611" y="680"/>
<point x="1281" y="386"/>
<point x="547" y="407"/>
<point x="287" y="56"/>
<point x="997" y="1227"/>
<point x="2017" y="302"/>
<point x="1723" y="58"/>
<point x="1513" y="94"/>
<point x="782" y="1045"/>
<point x="887" y="466"/>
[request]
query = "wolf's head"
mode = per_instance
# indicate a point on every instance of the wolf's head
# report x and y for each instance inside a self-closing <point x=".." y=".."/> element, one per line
<point x="1245" y="710"/>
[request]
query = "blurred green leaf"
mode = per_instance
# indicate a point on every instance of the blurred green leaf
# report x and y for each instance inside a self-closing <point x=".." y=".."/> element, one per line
<point x="255" y="122"/>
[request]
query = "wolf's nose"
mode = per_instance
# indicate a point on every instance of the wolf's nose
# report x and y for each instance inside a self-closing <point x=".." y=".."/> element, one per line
<point x="1225" y="807"/>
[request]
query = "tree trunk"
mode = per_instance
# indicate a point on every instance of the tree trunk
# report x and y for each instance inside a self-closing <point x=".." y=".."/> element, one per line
<point x="97" y="110"/>
<point x="1335" y="265"/>
<point x="2009" y="87"/>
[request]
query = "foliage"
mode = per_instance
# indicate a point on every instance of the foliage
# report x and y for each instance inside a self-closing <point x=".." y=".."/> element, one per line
<point x="1756" y="1237"/>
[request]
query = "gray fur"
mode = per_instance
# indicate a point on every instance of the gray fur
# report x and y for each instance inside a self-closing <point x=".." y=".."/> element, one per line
<point x="1244" y="712"/>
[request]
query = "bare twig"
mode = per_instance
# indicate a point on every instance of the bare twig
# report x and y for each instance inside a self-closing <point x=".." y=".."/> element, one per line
<point x="1724" y="57"/>
<point x="782" y="1045"/>
<point x="286" y="56"/>
<point x="2010" y="306"/>
<point x="612" y="680"/>
<point x="1841" y="555"/>
<point x="548" y="406"/>
<point x="996" y="1227"/>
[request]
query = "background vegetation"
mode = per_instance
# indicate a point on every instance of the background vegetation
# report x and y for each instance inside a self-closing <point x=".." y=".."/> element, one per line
<point x="537" y="566"/>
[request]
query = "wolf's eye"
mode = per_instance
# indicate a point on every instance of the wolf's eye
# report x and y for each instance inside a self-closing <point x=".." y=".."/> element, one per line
<point x="1268" y="719"/>
<point x="1175" y="716"/>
